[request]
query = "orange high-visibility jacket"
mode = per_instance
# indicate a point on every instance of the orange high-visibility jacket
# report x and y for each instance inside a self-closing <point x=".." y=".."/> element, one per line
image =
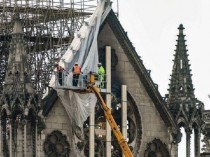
<point x="76" y="69"/>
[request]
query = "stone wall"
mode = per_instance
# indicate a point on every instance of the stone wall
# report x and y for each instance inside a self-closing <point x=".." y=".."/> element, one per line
<point x="57" y="119"/>
<point x="152" y="123"/>
<point x="20" y="141"/>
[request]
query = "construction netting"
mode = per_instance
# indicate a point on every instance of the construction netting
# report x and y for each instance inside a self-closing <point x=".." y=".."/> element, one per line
<point x="84" y="51"/>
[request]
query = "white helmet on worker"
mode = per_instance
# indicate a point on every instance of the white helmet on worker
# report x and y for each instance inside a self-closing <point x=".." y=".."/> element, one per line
<point x="99" y="64"/>
<point x="76" y="63"/>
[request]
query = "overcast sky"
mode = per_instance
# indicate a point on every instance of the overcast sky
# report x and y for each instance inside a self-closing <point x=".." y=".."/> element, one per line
<point x="152" y="28"/>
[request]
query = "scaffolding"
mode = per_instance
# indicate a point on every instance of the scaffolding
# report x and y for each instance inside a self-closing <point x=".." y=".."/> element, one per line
<point x="48" y="26"/>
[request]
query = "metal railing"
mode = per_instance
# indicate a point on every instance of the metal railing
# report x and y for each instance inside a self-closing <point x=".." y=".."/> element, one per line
<point x="70" y="81"/>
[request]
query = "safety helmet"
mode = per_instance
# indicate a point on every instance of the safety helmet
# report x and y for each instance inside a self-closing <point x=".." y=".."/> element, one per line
<point x="76" y="62"/>
<point x="99" y="63"/>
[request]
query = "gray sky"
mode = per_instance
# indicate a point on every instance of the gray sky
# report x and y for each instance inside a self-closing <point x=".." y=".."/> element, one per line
<point x="152" y="28"/>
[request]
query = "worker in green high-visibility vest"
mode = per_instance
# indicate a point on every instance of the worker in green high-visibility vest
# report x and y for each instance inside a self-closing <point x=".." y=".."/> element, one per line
<point x="101" y="75"/>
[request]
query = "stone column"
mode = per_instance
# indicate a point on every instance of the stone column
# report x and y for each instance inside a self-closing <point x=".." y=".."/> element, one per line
<point x="188" y="137"/>
<point x="1" y="139"/>
<point x="36" y="136"/>
<point x="176" y="150"/>
<point x="173" y="146"/>
<point x="4" y="135"/>
<point x="92" y="133"/>
<point x="197" y="136"/>
<point x="124" y="111"/>
<point x="10" y="138"/>
<point x="108" y="99"/>
<point x="24" y="137"/>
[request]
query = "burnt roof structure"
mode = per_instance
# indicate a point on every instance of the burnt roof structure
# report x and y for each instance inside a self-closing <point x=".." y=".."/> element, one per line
<point x="48" y="29"/>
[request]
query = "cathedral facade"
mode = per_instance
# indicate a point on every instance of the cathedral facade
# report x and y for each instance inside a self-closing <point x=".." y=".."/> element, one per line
<point x="34" y="128"/>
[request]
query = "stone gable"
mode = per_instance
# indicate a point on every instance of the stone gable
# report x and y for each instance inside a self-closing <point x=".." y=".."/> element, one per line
<point x="152" y="124"/>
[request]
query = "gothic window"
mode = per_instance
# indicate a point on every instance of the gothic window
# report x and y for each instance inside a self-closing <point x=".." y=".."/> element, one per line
<point x="156" y="149"/>
<point x="56" y="145"/>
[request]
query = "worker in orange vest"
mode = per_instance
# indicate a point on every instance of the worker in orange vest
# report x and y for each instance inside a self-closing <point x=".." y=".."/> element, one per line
<point x="60" y="70"/>
<point x="76" y="72"/>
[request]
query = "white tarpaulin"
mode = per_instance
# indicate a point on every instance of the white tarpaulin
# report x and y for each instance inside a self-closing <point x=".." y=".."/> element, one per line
<point x="84" y="51"/>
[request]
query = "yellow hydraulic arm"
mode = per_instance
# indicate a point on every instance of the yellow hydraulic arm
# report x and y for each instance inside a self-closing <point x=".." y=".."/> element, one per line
<point x="122" y="142"/>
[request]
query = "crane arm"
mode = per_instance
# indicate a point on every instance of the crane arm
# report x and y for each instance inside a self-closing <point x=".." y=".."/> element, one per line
<point x="122" y="142"/>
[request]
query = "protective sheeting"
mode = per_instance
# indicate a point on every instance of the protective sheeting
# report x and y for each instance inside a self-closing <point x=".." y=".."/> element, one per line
<point x="84" y="51"/>
<point x="77" y="105"/>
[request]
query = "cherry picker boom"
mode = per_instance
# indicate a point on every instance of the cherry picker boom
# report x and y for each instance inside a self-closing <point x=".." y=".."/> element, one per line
<point x="108" y="115"/>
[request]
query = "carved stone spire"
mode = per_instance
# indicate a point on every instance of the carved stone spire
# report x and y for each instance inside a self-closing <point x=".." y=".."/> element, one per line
<point x="181" y="86"/>
<point x="183" y="105"/>
<point x="17" y="79"/>
<point x="18" y="103"/>
<point x="181" y="91"/>
<point x="181" y="99"/>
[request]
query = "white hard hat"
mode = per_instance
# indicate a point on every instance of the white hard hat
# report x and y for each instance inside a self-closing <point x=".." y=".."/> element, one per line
<point x="76" y="62"/>
<point x="99" y="63"/>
